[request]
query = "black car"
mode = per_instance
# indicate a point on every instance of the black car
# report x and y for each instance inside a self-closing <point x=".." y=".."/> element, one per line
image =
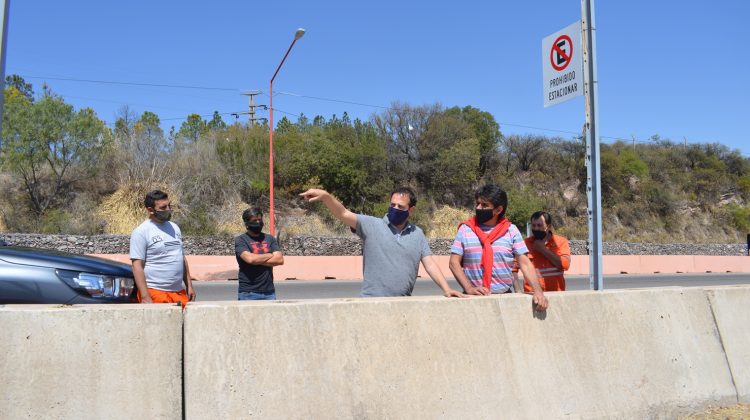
<point x="33" y="275"/>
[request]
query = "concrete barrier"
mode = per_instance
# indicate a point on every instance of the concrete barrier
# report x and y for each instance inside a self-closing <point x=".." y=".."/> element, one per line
<point x="731" y="308"/>
<point x="616" y="354"/>
<point x="91" y="362"/>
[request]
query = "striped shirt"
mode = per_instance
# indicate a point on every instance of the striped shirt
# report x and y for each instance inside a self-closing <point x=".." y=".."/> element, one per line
<point x="505" y="248"/>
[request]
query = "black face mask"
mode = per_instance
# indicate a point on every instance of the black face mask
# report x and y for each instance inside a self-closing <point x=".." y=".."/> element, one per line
<point x="539" y="234"/>
<point x="483" y="215"/>
<point x="254" y="227"/>
<point x="163" y="216"/>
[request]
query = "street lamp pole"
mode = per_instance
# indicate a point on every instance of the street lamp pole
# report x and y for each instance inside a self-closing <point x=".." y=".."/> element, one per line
<point x="300" y="32"/>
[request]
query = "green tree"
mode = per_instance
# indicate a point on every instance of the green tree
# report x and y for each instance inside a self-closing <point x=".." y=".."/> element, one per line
<point x="50" y="146"/>
<point x="526" y="150"/>
<point x="141" y="148"/>
<point x="487" y="131"/>
<point x="17" y="82"/>
<point x="632" y="165"/>
<point x="346" y="158"/>
<point x="612" y="180"/>
<point x="449" y="159"/>
<point x="401" y="127"/>
<point x="192" y="129"/>
<point x="243" y="150"/>
<point x="216" y="123"/>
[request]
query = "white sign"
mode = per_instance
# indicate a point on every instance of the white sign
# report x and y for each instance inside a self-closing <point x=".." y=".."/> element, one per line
<point x="562" y="65"/>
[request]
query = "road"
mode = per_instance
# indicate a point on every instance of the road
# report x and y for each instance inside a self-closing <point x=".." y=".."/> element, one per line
<point x="290" y="289"/>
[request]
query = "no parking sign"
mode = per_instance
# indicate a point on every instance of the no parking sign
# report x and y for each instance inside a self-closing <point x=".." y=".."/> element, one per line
<point x="562" y="65"/>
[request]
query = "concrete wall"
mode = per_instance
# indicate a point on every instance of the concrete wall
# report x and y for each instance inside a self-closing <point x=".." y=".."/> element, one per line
<point x="90" y="362"/>
<point x="648" y="353"/>
<point x="731" y="308"/>
<point x="215" y="267"/>
<point x="619" y="354"/>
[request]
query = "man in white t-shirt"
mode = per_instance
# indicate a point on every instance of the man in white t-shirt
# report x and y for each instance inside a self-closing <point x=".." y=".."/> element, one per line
<point x="159" y="265"/>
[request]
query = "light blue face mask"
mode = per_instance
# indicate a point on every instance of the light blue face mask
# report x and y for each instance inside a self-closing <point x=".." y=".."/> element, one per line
<point x="397" y="217"/>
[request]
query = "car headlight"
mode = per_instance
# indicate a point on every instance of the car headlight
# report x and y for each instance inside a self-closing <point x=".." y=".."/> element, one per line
<point x="98" y="285"/>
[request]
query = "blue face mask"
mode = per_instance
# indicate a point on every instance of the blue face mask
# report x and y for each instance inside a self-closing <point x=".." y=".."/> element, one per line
<point x="396" y="216"/>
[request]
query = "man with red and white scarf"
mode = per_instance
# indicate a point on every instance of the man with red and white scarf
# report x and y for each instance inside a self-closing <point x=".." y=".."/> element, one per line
<point x="486" y="246"/>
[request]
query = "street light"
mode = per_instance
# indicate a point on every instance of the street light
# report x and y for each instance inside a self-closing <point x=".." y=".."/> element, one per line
<point x="297" y="35"/>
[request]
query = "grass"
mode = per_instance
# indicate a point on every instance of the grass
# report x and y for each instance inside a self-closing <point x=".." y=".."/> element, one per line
<point x="123" y="211"/>
<point x="739" y="411"/>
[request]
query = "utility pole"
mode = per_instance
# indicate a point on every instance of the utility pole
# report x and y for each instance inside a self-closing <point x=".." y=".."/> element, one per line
<point x="4" y="9"/>
<point x="251" y="106"/>
<point x="593" y="166"/>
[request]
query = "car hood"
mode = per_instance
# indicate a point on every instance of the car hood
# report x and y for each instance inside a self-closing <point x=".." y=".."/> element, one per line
<point x="63" y="261"/>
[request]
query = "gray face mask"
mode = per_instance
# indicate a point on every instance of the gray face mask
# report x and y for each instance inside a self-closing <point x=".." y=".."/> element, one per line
<point x="163" y="216"/>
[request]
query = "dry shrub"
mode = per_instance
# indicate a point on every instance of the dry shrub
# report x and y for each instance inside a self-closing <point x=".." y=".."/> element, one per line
<point x="289" y="222"/>
<point x="123" y="210"/>
<point x="229" y="217"/>
<point x="297" y="222"/>
<point x="445" y="220"/>
<point x="738" y="411"/>
<point x="6" y="191"/>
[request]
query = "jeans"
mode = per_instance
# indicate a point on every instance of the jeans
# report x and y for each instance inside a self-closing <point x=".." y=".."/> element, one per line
<point x="256" y="296"/>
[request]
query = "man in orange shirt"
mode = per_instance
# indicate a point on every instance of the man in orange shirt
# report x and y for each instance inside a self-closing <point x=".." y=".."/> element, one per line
<point x="549" y="253"/>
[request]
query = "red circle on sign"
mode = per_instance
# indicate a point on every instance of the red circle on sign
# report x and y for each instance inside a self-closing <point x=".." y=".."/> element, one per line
<point x="557" y="49"/>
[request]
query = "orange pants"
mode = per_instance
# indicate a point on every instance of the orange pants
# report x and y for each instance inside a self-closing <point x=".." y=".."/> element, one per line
<point x="162" y="296"/>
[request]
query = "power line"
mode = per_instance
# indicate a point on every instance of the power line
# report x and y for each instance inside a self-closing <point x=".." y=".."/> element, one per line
<point x="284" y="112"/>
<point x="64" y="95"/>
<point x="202" y="116"/>
<point x="319" y="98"/>
<point x="183" y="118"/>
<point x="333" y="100"/>
<point x="110" y="82"/>
<point x="540" y="128"/>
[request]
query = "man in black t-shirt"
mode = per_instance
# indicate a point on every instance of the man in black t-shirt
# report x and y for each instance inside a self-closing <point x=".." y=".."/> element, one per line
<point x="257" y="253"/>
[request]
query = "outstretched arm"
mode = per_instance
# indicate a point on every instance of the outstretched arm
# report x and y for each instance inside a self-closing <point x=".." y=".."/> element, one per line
<point x="334" y="206"/>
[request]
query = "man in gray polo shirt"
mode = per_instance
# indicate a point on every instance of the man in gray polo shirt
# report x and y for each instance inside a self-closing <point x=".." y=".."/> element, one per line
<point x="160" y="268"/>
<point x="392" y="247"/>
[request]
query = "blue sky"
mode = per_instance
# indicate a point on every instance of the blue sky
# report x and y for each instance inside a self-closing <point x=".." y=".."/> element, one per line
<point x="679" y="69"/>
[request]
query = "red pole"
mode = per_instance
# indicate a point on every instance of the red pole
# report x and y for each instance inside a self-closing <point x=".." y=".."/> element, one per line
<point x="272" y="219"/>
<point x="270" y="135"/>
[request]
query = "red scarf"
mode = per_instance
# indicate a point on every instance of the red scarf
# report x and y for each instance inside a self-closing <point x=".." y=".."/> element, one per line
<point x="486" y="239"/>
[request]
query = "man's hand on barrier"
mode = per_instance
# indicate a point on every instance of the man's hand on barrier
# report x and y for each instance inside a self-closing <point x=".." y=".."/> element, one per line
<point x="454" y="293"/>
<point x="478" y="291"/>
<point x="540" y="301"/>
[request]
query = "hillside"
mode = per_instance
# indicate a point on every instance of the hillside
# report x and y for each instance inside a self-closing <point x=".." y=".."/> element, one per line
<point x="65" y="171"/>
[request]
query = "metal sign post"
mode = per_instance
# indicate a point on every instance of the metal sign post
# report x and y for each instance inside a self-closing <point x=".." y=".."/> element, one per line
<point x="593" y="166"/>
<point x="562" y="69"/>
<point x="4" y="6"/>
<point x="563" y="75"/>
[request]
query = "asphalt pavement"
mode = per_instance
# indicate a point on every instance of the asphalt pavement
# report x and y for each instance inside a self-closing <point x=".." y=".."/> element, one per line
<point x="306" y="289"/>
